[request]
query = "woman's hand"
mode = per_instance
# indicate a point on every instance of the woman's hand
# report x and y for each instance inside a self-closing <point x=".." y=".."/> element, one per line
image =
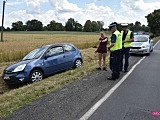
<point x="105" y="40"/>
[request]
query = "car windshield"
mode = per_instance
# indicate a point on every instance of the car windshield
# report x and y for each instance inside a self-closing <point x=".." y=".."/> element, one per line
<point x="34" y="53"/>
<point x="140" y="39"/>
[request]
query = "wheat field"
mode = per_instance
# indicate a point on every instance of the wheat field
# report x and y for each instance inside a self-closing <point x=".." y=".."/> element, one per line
<point x="17" y="45"/>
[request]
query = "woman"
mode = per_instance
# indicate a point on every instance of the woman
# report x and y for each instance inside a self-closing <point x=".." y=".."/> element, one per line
<point x="102" y="51"/>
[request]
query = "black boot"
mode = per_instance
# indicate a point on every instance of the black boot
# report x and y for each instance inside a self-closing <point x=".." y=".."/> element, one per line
<point x="111" y="78"/>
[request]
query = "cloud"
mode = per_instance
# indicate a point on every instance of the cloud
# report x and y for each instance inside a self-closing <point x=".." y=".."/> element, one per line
<point x="22" y="15"/>
<point x="64" y="6"/>
<point x="14" y="3"/>
<point x="136" y="10"/>
<point x="139" y="5"/>
<point x="65" y="10"/>
<point x="33" y="6"/>
<point x="61" y="10"/>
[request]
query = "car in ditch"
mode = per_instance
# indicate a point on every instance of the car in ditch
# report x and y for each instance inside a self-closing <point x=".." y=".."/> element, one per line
<point x="43" y="61"/>
<point x="142" y="44"/>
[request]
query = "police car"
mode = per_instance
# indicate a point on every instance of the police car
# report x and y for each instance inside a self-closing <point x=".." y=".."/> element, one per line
<point x="142" y="44"/>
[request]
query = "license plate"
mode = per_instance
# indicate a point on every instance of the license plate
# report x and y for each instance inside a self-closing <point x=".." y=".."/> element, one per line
<point x="134" y="50"/>
<point x="6" y="77"/>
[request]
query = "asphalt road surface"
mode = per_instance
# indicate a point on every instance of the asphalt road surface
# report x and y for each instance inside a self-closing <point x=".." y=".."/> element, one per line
<point x="137" y="95"/>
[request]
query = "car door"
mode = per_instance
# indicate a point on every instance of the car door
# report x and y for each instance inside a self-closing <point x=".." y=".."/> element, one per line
<point x="54" y="60"/>
<point x="70" y="53"/>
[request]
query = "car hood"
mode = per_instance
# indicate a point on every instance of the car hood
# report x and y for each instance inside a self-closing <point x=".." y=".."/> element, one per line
<point x="14" y="65"/>
<point x="137" y="44"/>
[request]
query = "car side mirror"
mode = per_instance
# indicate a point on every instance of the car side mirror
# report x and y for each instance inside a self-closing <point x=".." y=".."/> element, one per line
<point x="47" y="56"/>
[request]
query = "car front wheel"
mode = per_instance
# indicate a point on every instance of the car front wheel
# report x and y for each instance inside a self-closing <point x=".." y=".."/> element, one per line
<point x="36" y="76"/>
<point x="78" y="63"/>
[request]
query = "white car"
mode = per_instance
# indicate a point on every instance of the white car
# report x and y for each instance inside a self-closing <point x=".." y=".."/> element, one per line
<point x="142" y="44"/>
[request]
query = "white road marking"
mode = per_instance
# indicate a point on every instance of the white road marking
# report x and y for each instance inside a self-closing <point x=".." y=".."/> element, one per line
<point x="109" y="93"/>
<point x="156" y="44"/>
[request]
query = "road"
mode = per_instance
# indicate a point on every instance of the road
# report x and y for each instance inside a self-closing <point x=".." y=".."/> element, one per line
<point x="137" y="96"/>
<point x="74" y="100"/>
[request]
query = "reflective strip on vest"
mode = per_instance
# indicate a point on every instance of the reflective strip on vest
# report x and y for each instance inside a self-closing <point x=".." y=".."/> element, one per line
<point x="127" y="44"/>
<point x="118" y="43"/>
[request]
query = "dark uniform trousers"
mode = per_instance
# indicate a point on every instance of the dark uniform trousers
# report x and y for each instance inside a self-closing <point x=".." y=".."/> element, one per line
<point x="124" y="52"/>
<point x="115" y="63"/>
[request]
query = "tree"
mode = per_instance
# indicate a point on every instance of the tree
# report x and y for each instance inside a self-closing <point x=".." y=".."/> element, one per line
<point x="34" y="25"/>
<point x="88" y="26"/>
<point x="70" y="25"/>
<point x="131" y="26"/>
<point x="59" y="27"/>
<point x="100" y="24"/>
<point x="145" y="28"/>
<point x="153" y="20"/>
<point x="51" y="26"/>
<point x="78" y="26"/>
<point x="7" y="29"/>
<point x="14" y="26"/>
<point x="45" y="28"/>
<point x="95" y="26"/>
<point x="138" y="27"/>
<point x="54" y="26"/>
<point x="137" y="23"/>
<point x="17" y="26"/>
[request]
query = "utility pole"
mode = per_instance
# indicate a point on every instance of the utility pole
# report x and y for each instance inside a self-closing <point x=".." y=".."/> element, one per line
<point x="2" y="20"/>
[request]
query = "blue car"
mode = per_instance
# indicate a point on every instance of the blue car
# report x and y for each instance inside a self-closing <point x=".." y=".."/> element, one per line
<point x="42" y="62"/>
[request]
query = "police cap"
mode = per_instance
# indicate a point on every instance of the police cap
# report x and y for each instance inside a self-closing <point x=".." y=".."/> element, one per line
<point x="112" y="25"/>
<point x="124" y="25"/>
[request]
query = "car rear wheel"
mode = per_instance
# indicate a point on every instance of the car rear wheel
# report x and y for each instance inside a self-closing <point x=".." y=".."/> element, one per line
<point x="36" y="76"/>
<point x="78" y="63"/>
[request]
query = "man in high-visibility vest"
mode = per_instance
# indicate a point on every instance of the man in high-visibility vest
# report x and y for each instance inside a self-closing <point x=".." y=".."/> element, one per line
<point x="115" y="49"/>
<point x="127" y="38"/>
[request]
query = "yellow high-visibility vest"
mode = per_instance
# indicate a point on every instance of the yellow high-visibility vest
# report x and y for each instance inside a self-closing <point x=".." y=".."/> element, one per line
<point x="127" y="44"/>
<point x="118" y="43"/>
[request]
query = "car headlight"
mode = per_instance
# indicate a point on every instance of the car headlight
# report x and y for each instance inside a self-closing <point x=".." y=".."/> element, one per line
<point x="19" y="68"/>
<point x="145" y="46"/>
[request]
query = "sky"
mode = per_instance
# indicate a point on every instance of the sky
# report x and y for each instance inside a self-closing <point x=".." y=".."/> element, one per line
<point x="120" y="11"/>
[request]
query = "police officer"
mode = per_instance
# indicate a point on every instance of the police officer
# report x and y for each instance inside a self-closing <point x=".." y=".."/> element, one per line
<point x="115" y="49"/>
<point x="127" y="38"/>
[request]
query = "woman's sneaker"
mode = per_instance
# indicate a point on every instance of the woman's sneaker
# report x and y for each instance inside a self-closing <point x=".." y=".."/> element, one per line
<point x="98" y="68"/>
<point x="104" y="68"/>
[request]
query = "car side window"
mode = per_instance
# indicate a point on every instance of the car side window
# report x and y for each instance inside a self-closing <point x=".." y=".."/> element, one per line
<point x="69" y="48"/>
<point x="55" y="51"/>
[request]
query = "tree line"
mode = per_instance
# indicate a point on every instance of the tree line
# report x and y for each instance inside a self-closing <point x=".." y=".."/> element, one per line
<point x="153" y="20"/>
<point x="70" y="25"/>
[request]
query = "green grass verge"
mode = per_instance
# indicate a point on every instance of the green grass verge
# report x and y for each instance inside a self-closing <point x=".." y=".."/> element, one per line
<point x="16" y="98"/>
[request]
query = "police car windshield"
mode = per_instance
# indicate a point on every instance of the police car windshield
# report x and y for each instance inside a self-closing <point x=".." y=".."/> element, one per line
<point x="140" y="39"/>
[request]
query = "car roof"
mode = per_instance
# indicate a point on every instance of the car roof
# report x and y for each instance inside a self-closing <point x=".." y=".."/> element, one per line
<point x="57" y="44"/>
